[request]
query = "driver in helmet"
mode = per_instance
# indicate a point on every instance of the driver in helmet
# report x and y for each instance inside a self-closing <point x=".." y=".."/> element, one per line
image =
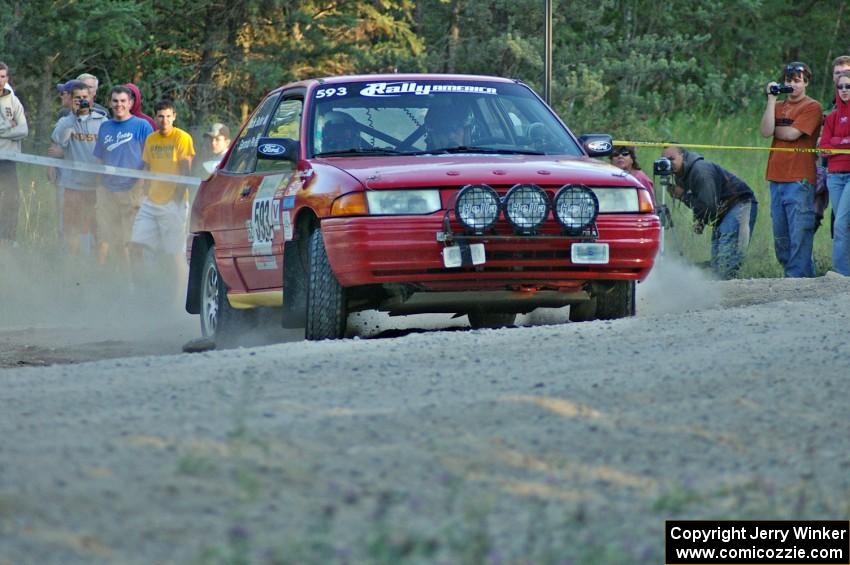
<point x="446" y="127"/>
<point x="339" y="132"/>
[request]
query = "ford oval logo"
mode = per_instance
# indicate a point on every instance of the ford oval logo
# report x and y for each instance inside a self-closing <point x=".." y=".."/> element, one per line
<point x="272" y="149"/>
<point x="599" y="146"/>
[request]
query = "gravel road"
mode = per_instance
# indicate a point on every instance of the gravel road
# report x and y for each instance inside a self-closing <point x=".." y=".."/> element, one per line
<point x="554" y="443"/>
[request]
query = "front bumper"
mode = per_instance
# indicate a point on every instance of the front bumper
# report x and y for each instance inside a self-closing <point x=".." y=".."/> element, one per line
<point x="405" y="250"/>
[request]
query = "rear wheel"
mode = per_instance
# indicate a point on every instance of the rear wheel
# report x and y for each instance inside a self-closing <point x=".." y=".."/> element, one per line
<point x="219" y="320"/>
<point x="616" y="301"/>
<point x="479" y="319"/>
<point x="326" y="298"/>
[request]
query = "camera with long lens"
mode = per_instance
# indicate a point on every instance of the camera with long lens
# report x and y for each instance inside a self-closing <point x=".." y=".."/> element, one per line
<point x="662" y="167"/>
<point x="780" y="89"/>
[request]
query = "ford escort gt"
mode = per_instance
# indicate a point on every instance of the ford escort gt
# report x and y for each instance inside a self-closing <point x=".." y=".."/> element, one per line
<point x="413" y="194"/>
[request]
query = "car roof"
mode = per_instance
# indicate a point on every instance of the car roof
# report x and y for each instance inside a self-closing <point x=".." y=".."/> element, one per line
<point x="395" y="77"/>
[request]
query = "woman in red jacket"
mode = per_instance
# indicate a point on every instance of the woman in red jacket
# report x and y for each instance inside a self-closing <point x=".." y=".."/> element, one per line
<point x="836" y="135"/>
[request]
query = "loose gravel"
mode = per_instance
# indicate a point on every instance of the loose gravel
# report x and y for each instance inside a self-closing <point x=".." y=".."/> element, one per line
<point x="547" y="444"/>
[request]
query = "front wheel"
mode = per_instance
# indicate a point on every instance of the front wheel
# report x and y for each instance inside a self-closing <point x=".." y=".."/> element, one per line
<point x="479" y="319"/>
<point x="219" y="320"/>
<point x="327" y="311"/>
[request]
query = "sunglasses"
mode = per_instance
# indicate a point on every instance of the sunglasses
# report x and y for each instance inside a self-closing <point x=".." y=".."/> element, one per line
<point x="795" y="68"/>
<point x="843" y="87"/>
<point x="621" y="153"/>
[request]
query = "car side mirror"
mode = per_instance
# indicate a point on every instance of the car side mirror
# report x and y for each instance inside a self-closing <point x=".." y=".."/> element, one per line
<point x="278" y="149"/>
<point x="597" y="144"/>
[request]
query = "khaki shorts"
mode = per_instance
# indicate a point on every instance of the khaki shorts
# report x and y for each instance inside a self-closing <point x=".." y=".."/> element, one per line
<point x="161" y="227"/>
<point x="78" y="211"/>
<point x="116" y="212"/>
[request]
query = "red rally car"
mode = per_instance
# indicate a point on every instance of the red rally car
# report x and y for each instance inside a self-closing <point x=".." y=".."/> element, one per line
<point x="411" y="194"/>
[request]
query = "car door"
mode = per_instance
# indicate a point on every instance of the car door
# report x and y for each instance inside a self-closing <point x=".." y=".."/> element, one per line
<point x="224" y="189"/>
<point x="259" y="253"/>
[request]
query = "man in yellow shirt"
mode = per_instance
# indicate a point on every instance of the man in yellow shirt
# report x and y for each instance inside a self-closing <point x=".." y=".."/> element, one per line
<point x="160" y="225"/>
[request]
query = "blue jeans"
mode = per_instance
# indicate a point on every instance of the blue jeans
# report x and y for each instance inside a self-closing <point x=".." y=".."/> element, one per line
<point x="731" y="237"/>
<point x="839" y="195"/>
<point x="793" y="214"/>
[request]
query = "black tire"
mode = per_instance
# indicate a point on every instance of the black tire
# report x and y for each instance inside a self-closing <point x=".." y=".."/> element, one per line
<point x="219" y="320"/>
<point x="479" y="319"/>
<point x="616" y="300"/>
<point x="583" y="311"/>
<point x="326" y="299"/>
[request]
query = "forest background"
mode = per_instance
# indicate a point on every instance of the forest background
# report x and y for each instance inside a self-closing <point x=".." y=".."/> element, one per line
<point x="693" y="71"/>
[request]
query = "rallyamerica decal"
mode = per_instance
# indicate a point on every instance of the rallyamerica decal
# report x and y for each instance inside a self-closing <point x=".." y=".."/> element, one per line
<point x="378" y="89"/>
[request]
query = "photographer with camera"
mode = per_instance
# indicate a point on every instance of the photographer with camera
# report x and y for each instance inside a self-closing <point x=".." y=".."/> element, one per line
<point x="719" y="199"/>
<point x="793" y="124"/>
<point x="73" y="139"/>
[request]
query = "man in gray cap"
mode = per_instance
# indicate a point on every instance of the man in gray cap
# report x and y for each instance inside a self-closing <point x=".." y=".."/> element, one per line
<point x="74" y="139"/>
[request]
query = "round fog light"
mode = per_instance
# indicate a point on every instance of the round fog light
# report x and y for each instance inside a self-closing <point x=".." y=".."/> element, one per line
<point x="477" y="207"/>
<point x="576" y="208"/>
<point x="526" y="207"/>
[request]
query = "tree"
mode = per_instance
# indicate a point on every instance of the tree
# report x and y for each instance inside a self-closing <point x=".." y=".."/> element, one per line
<point x="95" y="36"/>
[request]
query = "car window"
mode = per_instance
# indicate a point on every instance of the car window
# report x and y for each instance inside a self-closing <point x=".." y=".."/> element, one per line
<point x="421" y="116"/>
<point x="243" y="158"/>
<point x="285" y="122"/>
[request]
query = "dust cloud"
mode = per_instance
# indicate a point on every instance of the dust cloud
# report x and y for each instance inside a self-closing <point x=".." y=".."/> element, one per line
<point x="47" y="289"/>
<point x="675" y="286"/>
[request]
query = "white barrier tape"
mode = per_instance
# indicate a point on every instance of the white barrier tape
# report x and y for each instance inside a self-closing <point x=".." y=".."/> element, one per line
<point x="95" y="168"/>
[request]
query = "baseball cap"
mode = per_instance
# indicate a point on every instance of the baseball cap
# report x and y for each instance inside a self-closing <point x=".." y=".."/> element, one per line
<point x="70" y="85"/>
<point x="218" y="129"/>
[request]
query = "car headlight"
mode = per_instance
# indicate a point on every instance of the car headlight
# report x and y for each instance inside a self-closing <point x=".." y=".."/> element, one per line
<point x="399" y="202"/>
<point x="576" y="208"/>
<point x="477" y="207"/>
<point x="526" y="207"/>
<point x="617" y="199"/>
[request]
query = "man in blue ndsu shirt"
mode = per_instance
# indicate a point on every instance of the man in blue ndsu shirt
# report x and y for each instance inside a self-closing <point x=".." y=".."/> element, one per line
<point x="120" y="143"/>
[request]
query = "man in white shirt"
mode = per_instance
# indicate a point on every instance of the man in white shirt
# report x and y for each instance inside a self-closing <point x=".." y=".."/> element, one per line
<point x="13" y="128"/>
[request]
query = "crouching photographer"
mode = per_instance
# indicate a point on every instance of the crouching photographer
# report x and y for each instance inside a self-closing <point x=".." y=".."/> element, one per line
<point x="718" y="199"/>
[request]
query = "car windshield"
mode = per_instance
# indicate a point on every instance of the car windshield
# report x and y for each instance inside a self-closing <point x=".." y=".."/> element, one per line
<point x="434" y="117"/>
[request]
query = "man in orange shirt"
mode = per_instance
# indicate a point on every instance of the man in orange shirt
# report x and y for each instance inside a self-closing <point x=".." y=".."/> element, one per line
<point x="792" y="123"/>
<point x="160" y="225"/>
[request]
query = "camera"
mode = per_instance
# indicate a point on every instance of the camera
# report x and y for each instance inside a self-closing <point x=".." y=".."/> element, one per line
<point x="780" y="89"/>
<point x="662" y="167"/>
<point x="83" y="104"/>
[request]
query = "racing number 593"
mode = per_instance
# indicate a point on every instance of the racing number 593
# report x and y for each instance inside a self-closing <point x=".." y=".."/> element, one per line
<point x="328" y="92"/>
<point x="263" y="220"/>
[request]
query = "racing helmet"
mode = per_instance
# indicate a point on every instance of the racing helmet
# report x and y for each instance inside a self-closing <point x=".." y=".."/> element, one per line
<point x="340" y="132"/>
<point x="445" y="125"/>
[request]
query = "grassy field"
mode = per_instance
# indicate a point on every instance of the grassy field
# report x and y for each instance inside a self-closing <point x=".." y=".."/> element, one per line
<point x="37" y="225"/>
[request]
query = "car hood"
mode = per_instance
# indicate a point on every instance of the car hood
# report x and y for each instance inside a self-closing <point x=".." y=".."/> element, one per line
<point x="378" y="173"/>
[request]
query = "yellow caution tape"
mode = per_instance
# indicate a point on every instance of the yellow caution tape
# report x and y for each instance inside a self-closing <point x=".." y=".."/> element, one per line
<point x="735" y="147"/>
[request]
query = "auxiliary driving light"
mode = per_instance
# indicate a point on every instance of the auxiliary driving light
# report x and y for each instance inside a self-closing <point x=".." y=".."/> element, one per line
<point x="477" y="207"/>
<point x="526" y="207"/>
<point x="576" y="208"/>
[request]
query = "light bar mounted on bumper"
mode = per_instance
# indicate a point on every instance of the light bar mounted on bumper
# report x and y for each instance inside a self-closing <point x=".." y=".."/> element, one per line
<point x="467" y="249"/>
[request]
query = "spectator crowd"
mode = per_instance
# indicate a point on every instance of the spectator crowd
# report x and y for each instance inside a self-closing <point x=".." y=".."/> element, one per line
<point x="117" y="218"/>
